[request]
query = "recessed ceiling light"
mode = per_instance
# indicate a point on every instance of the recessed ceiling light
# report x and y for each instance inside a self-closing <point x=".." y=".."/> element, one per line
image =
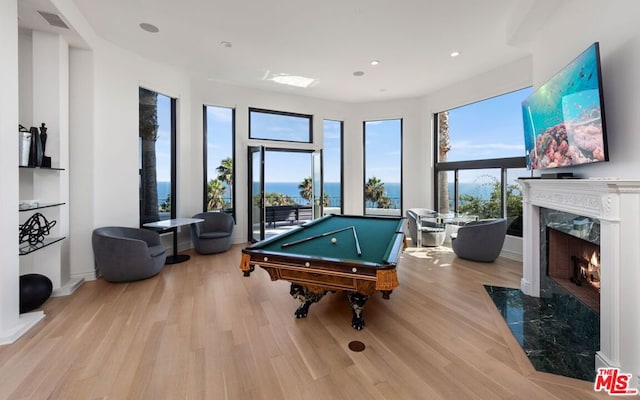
<point x="149" y="27"/>
<point x="375" y="62"/>
<point x="454" y="54"/>
<point x="224" y="43"/>
<point x="358" y="73"/>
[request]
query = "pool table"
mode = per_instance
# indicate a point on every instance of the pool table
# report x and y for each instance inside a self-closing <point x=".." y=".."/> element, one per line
<point x="349" y="253"/>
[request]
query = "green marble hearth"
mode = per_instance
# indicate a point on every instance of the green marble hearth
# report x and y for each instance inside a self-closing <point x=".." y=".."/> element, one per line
<point x="559" y="334"/>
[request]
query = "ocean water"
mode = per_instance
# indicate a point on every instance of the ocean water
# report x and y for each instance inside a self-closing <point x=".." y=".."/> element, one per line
<point x="333" y="190"/>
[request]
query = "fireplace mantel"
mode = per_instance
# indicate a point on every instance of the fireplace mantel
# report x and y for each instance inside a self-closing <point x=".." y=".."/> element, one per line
<point x="616" y="203"/>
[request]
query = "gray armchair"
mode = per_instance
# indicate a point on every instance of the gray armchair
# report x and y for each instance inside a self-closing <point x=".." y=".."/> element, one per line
<point x="214" y="234"/>
<point x="127" y="254"/>
<point x="480" y="240"/>
<point x="431" y="234"/>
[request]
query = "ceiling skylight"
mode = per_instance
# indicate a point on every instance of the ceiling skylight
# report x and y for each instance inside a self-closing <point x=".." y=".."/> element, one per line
<point x="293" y="80"/>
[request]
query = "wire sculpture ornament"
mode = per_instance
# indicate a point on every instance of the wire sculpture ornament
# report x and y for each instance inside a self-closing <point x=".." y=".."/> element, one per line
<point x="35" y="229"/>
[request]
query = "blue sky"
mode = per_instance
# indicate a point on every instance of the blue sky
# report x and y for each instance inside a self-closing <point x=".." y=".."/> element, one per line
<point x="219" y="138"/>
<point x="488" y="129"/>
<point x="163" y="144"/>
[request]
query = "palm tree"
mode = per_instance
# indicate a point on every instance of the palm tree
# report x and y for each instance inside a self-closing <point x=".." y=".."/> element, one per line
<point x="443" y="148"/>
<point x="215" y="195"/>
<point x="384" y="202"/>
<point x="373" y="190"/>
<point x="306" y="189"/>
<point x="148" y="132"/>
<point x="277" y="199"/>
<point x="225" y="171"/>
<point x="326" y="200"/>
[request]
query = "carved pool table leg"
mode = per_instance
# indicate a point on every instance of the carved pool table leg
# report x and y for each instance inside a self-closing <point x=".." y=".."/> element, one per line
<point x="357" y="302"/>
<point x="306" y="297"/>
<point x="386" y="293"/>
<point x="248" y="272"/>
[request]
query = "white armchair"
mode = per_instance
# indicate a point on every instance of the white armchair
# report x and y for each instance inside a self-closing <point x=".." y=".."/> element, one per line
<point x="431" y="234"/>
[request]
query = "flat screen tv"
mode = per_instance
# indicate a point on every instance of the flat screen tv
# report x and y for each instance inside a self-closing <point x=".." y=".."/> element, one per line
<point x="563" y="120"/>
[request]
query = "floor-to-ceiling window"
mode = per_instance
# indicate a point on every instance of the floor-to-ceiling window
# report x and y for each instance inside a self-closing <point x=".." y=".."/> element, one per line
<point x="218" y="156"/>
<point x="383" y="167"/>
<point x="157" y="172"/>
<point x="479" y="152"/>
<point x="332" y="166"/>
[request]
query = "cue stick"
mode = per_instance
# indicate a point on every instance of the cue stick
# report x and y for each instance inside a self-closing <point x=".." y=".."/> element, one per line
<point x="355" y="235"/>
<point x="315" y="237"/>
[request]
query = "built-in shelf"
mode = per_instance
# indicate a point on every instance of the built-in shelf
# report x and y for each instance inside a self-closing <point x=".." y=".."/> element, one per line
<point x="27" y="248"/>
<point x="39" y="206"/>
<point x="42" y="168"/>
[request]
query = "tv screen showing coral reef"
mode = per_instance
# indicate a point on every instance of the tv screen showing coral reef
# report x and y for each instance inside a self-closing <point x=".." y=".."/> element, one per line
<point x="564" y="119"/>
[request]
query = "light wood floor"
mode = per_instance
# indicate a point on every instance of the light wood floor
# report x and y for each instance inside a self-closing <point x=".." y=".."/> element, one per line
<point x="199" y="330"/>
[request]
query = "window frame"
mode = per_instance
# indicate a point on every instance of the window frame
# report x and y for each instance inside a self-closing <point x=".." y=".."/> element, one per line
<point x="309" y="117"/>
<point x="173" y="103"/>
<point x="364" y="162"/>
<point x="205" y="187"/>
<point x="496" y="163"/>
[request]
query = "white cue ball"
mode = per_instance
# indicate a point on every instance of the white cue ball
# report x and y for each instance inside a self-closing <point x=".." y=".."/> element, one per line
<point x="334" y="240"/>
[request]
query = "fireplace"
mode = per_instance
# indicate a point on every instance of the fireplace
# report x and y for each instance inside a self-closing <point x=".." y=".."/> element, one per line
<point x="573" y="255"/>
<point x="615" y="204"/>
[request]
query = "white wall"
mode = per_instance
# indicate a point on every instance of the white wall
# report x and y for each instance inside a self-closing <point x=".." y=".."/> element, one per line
<point x="108" y="146"/>
<point x="81" y="163"/>
<point x="8" y="161"/>
<point x="118" y="75"/>
<point x="615" y="25"/>
<point x="416" y="152"/>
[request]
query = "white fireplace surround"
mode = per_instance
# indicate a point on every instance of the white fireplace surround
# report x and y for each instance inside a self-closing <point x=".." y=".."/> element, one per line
<point x="616" y="203"/>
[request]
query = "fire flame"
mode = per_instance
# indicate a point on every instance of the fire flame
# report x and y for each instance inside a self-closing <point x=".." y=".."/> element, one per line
<point x="594" y="259"/>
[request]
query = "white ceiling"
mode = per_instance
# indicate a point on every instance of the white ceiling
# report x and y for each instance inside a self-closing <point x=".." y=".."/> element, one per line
<point x="326" y="40"/>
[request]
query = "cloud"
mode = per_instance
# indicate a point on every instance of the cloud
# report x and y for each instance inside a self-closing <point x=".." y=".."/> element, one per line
<point x="279" y="129"/>
<point x="331" y="135"/>
<point x="465" y="144"/>
<point x="219" y="114"/>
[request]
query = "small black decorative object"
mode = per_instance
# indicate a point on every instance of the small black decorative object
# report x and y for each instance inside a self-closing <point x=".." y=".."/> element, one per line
<point x="35" y="229"/>
<point x="35" y="289"/>
<point x="46" y="161"/>
<point x="35" y="155"/>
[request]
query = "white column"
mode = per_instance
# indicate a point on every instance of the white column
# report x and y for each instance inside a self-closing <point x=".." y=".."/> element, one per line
<point x="530" y="282"/>
<point x="609" y="354"/>
<point x="12" y="325"/>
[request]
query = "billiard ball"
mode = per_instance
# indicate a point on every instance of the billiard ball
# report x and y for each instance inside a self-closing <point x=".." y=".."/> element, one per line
<point x="334" y="240"/>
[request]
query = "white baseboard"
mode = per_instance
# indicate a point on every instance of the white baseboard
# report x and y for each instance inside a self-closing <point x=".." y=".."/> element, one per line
<point x="511" y="255"/>
<point x="68" y="287"/>
<point x="25" y="322"/>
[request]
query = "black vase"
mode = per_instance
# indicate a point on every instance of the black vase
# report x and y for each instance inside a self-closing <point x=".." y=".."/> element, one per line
<point x="35" y="289"/>
<point x="46" y="161"/>
<point x="35" y="155"/>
